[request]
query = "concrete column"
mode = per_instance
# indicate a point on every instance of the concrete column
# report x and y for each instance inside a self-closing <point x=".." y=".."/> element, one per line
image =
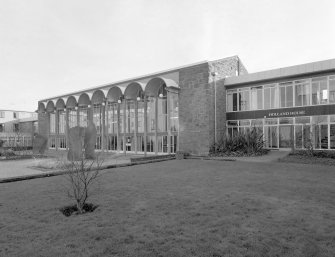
<point x="118" y="128"/>
<point x="67" y="127"/>
<point x="57" y="128"/>
<point x="136" y="125"/>
<point x="145" y="124"/>
<point x="124" y="125"/>
<point x="103" y="126"/>
<point x="78" y="116"/>
<point x="168" y="120"/>
<point x="156" y="124"/>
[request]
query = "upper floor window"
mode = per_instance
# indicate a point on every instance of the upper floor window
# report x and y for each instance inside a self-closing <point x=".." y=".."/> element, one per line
<point x="319" y="91"/>
<point x="231" y="100"/>
<point x="302" y="93"/>
<point x="331" y="89"/>
<point x="271" y="99"/>
<point x="2" y="114"/>
<point x="256" y="98"/>
<point x="286" y="94"/>
<point x="243" y="99"/>
<point x="15" y="115"/>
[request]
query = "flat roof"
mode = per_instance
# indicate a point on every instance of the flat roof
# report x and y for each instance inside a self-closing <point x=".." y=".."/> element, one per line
<point x="287" y="72"/>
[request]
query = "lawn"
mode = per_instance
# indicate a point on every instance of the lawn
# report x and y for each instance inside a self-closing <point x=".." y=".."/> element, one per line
<point x="178" y="208"/>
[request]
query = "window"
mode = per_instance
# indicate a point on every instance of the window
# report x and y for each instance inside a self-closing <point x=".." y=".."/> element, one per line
<point x="271" y="97"/>
<point x="243" y="99"/>
<point x="61" y="122"/>
<point x="319" y="91"/>
<point x="302" y="93"/>
<point x="2" y="114"/>
<point x="256" y="98"/>
<point x="15" y="115"/>
<point x="2" y="128"/>
<point x="231" y="100"/>
<point x="332" y="89"/>
<point x="286" y="94"/>
<point x="112" y="119"/>
<point x="52" y="123"/>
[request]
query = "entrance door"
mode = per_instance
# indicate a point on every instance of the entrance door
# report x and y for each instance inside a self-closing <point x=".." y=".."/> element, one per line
<point x="285" y="136"/>
<point x="271" y="136"/>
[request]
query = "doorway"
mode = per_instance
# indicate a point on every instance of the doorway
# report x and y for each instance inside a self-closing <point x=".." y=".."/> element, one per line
<point x="285" y="136"/>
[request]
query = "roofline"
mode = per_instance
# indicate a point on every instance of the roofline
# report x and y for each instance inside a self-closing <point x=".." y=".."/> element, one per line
<point x="7" y="110"/>
<point x="299" y="70"/>
<point x="126" y="80"/>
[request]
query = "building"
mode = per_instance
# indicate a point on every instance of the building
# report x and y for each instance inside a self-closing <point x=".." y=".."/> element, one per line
<point x="292" y="106"/>
<point x="17" y="128"/>
<point x="191" y="107"/>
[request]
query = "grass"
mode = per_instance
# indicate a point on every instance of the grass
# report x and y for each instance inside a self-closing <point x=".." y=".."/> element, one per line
<point x="178" y="208"/>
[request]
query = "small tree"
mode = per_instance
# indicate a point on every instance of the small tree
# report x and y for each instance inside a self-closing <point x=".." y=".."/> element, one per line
<point x="81" y="176"/>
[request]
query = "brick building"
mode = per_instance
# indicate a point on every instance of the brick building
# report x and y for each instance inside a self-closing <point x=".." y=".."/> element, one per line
<point x="190" y="107"/>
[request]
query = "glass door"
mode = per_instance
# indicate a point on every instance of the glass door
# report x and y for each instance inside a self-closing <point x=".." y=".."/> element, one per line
<point x="285" y="136"/>
<point x="271" y="136"/>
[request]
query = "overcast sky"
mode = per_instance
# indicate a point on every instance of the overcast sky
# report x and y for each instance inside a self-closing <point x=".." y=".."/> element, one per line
<point x="53" y="47"/>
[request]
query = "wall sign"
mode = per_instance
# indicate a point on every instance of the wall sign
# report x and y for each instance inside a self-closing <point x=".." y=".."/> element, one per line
<point x="283" y="114"/>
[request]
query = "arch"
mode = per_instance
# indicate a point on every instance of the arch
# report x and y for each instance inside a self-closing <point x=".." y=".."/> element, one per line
<point x="114" y="94"/>
<point x="41" y="107"/>
<point x="133" y="90"/>
<point x="60" y="104"/>
<point x="153" y="86"/>
<point x="71" y="102"/>
<point x="84" y="100"/>
<point x="50" y="106"/>
<point x="98" y="97"/>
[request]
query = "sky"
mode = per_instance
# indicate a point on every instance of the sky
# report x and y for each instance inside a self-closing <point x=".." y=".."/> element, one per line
<point x="54" y="47"/>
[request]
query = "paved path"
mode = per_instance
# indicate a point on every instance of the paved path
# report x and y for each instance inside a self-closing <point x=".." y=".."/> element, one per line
<point x="27" y="167"/>
<point x="17" y="168"/>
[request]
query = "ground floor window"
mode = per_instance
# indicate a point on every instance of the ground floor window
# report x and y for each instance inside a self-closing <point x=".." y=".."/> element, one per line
<point x="287" y="132"/>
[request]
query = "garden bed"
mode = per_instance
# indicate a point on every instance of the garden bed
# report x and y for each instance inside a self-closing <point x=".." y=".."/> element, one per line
<point x="311" y="157"/>
<point x="239" y="154"/>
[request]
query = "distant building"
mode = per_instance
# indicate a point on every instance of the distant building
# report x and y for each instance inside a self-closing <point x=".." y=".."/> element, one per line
<point x="17" y="128"/>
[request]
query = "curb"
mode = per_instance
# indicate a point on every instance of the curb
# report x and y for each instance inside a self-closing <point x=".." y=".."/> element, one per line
<point x="57" y="173"/>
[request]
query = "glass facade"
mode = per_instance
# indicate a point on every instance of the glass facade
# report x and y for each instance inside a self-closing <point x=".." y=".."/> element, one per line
<point x="296" y="93"/>
<point x="135" y="124"/>
<point x="287" y="132"/>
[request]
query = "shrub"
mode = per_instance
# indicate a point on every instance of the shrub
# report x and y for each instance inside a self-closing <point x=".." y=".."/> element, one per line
<point x="69" y="210"/>
<point x="244" y="143"/>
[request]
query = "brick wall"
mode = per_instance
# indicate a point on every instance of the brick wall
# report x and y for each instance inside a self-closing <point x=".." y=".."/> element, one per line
<point x="196" y="103"/>
<point x="193" y="109"/>
<point x="223" y="67"/>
